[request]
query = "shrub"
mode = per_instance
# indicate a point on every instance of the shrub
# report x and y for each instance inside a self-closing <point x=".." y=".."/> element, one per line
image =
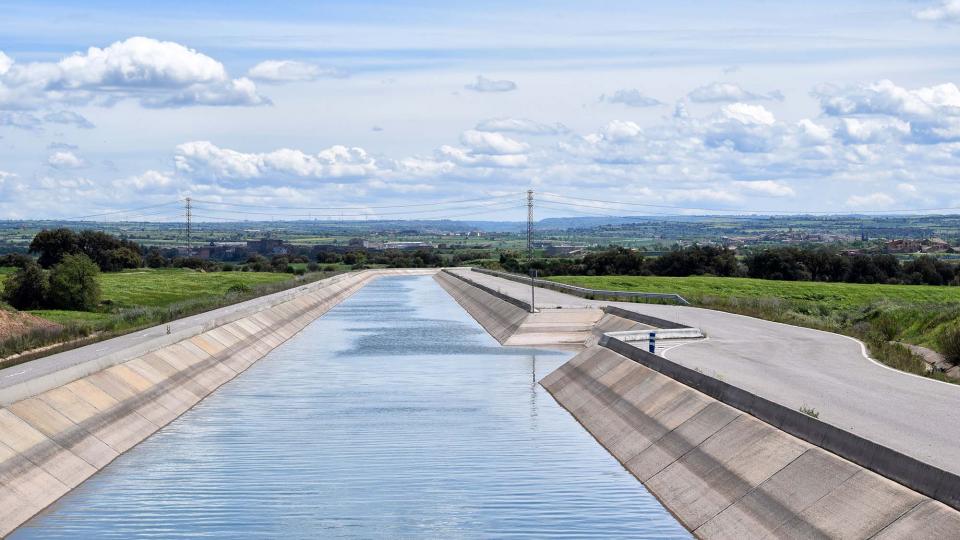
<point x="27" y="287"/>
<point x="227" y="267"/>
<point x="238" y="288"/>
<point x="313" y="267"/>
<point x="950" y="344"/>
<point x="73" y="283"/>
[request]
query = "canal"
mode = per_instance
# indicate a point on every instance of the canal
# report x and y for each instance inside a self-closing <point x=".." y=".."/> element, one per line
<point x="394" y="415"/>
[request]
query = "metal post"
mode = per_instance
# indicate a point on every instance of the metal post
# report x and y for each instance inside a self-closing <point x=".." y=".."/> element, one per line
<point x="533" y="288"/>
<point x="653" y="343"/>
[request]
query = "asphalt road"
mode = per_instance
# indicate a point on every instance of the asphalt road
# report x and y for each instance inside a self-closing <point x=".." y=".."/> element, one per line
<point x="802" y="367"/>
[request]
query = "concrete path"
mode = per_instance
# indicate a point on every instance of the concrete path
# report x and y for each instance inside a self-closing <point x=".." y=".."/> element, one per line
<point x="802" y="367"/>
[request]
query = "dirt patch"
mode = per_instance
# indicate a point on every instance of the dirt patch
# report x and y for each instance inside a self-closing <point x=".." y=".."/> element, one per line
<point x="14" y="323"/>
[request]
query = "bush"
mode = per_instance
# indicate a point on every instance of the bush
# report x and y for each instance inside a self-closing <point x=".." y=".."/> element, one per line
<point x="238" y="288"/>
<point x="329" y="268"/>
<point x="73" y="283"/>
<point x="950" y="344"/>
<point x="313" y="267"/>
<point x="227" y="267"/>
<point x="27" y="287"/>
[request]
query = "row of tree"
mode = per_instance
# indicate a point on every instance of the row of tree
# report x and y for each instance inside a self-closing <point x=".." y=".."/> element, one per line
<point x="787" y="263"/>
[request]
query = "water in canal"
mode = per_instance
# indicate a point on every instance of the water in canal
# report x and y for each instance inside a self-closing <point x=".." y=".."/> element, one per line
<point x="394" y="415"/>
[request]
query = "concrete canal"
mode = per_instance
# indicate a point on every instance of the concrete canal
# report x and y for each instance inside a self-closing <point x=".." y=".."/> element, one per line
<point x="394" y="415"/>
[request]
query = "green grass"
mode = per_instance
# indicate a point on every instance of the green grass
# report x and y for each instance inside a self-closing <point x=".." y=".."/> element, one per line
<point x="876" y="314"/>
<point x="157" y="288"/>
<point x="833" y="295"/>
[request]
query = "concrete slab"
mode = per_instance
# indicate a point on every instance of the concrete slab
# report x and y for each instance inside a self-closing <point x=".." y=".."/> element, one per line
<point x="119" y="425"/>
<point x="25" y="489"/>
<point x="682" y="440"/>
<point x="39" y="415"/>
<point x="781" y="497"/>
<point x="929" y="520"/>
<point x="859" y="508"/>
<point x="723" y="468"/>
<point x="36" y="447"/>
<point x="177" y="398"/>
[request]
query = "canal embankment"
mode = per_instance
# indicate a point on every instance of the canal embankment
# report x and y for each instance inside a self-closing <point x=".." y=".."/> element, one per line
<point x="731" y="464"/>
<point x="71" y="415"/>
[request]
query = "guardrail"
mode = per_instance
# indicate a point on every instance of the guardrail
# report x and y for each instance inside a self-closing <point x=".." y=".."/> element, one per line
<point x="924" y="478"/>
<point x="584" y="292"/>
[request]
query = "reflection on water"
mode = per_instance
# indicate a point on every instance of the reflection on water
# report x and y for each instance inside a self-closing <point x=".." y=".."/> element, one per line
<point x="394" y="415"/>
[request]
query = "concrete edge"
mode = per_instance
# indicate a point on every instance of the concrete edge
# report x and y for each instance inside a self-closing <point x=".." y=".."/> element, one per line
<point x="645" y="319"/>
<point x="921" y="477"/>
<point x="506" y="298"/>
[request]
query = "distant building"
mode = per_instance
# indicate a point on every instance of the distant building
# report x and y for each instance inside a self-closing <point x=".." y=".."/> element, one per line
<point x="268" y="246"/>
<point x="557" y="250"/>
<point x="408" y="245"/>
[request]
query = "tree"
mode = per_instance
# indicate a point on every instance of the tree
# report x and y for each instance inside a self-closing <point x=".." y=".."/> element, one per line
<point x="155" y="259"/>
<point x="53" y="245"/>
<point x="27" y="287"/>
<point x="73" y="283"/>
<point x="120" y="258"/>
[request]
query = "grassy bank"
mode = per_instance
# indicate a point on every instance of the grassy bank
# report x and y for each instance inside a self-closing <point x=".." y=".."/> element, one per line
<point x="137" y="299"/>
<point x="876" y="314"/>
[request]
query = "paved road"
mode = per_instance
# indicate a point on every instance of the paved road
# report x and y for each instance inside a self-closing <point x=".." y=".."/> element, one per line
<point x="803" y="367"/>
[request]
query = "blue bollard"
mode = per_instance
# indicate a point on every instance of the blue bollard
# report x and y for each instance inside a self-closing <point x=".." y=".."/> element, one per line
<point x="653" y="342"/>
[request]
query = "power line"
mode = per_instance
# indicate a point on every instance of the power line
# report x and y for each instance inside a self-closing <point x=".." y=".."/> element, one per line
<point x="492" y="205"/>
<point x="439" y="203"/>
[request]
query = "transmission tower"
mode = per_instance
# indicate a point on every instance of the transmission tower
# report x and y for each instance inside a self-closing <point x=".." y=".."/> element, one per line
<point x="189" y="226"/>
<point x="530" y="223"/>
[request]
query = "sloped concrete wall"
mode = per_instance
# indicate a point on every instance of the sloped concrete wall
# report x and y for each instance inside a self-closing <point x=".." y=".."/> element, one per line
<point x="724" y="473"/>
<point x="52" y="441"/>
<point x="500" y="318"/>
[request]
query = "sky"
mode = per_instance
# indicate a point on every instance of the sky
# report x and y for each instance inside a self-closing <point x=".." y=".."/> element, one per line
<point x="368" y="108"/>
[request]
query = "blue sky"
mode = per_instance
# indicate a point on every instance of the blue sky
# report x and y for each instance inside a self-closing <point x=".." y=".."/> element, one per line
<point x="695" y="106"/>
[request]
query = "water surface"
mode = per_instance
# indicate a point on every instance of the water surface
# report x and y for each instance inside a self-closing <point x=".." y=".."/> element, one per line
<point x="394" y="415"/>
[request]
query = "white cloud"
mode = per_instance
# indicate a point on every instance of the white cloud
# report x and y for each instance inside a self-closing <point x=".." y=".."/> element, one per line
<point x="149" y="180"/>
<point x="812" y="133"/>
<point x="65" y="160"/>
<point x="870" y="201"/>
<point x="631" y="97"/>
<point x="768" y="188"/>
<point x="520" y="125"/>
<point x="203" y="158"/>
<point x="904" y="187"/>
<point x="946" y="11"/>
<point x="466" y="158"/>
<point x="748" y="114"/>
<point x="484" y="84"/>
<point x="719" y="92"/>
<point x="158" y="73"/>
<point x="4" y="176"/>
<point x="620" y="131"/>
<point x="859" y="131"/>
<point x="30" y="121"/>
<point x="283" y="71"/>
<point x="485" y="142"/>
<point x="932" y="113"/>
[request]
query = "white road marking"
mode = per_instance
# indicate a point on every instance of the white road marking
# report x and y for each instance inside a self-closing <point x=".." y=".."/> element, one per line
<point x="15" y="374"/>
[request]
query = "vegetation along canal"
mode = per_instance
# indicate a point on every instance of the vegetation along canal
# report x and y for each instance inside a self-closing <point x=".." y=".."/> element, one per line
<point x="394" y="415"/>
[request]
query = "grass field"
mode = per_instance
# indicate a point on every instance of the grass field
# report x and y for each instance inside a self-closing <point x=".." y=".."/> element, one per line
<point x="876" y="314"/>
<point x="830" y="295"/>
<point x="153" y="288"/>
